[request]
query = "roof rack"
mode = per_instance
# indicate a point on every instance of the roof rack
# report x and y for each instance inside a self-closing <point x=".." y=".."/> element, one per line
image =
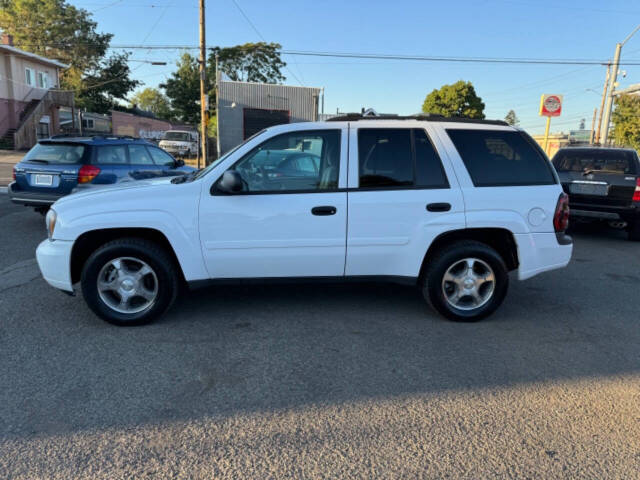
<point x="100" y="135"/>
<point x="429" y="117"/>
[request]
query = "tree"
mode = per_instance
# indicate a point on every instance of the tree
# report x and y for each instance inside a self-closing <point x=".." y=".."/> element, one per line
<point x="626" y="121"/>
<point x="154" y="101"/>
<point x="102" y="87"/>
<point x="456" y="100"/>
<point x="252" y="62"/>
<point x="183" y="90"/>
<point x="512" y="118"/>
<point x="58" y="30"/>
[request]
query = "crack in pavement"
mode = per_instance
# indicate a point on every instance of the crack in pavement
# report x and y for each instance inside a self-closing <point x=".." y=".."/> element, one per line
<point x="18" y="274"/>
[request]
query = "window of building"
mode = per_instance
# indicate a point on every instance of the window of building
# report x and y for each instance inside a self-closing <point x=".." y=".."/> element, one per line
<point x="88" y="123"/>
<point x="43" y="80"/>
<point x="288" y="163"/>
<point x="501" y="158"/>
<point x="398" y="158"/>
<point x="30" y="77"/>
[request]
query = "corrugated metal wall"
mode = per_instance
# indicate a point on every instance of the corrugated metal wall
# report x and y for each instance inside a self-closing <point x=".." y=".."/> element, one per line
<point x="301" y="103"/>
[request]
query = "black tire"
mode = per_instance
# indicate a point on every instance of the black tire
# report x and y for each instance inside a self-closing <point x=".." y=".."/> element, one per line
<point x="432" y="281"/>
<point x="634" y="231"/>
<point x="155" y="256"/>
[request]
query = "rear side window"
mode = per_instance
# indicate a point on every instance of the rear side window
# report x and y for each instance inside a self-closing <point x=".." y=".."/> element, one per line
<point x="112" y="155"/>
<point x="398" y="158"/>
<point x="501" y="158"/>
<point x="587" y="161"/>
<point x="51" y="154"/>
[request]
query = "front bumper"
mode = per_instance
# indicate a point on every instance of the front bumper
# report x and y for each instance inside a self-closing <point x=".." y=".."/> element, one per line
<point x="31" y="199"/>
<point x="54" y="260"/>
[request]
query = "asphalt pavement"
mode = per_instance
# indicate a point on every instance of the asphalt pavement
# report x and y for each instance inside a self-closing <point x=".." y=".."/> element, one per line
<point x="323" y="381"/>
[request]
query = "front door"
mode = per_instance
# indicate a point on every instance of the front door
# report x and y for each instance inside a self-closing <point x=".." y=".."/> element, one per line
<point x="290" y="218"/>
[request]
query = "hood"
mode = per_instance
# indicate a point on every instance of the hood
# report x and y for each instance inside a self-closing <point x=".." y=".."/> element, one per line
<point x="122" y="188"/>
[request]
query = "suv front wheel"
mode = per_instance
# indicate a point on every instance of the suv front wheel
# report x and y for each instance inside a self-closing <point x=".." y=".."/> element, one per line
<point x="129" y="281"/>
<point x="466" y="281"/>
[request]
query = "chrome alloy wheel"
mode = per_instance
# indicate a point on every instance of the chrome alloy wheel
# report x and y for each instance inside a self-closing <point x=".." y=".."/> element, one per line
<point x="468" y="284"/>
<point x="127" y="285"/>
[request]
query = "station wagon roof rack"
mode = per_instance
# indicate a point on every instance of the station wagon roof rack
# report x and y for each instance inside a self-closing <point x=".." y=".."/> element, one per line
<point x="97" y="136"/>
<point x="429" y="117"/>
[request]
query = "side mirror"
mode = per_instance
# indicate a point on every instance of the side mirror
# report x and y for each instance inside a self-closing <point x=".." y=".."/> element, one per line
<point x="179" y="163"/>
<point x="230" y="182"/>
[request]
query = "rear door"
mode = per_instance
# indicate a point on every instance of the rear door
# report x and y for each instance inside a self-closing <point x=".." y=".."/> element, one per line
<point x="401" y="197"/>
<point x="113" y="161"/>
<point x="598" y="176"/>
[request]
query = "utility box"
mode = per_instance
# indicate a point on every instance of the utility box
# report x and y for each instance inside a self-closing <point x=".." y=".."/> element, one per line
<point x="246" y="108"/>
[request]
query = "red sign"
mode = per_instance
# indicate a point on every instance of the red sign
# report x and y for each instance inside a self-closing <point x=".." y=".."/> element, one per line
<point x="550" y="105"/>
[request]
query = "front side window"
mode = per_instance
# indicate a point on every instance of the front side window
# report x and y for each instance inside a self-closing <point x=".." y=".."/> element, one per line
<point x="296" y="161"/>
<point x="160" y="157"/>
<point x="112" y="155"/>
<point x="501" y="158"/>
<point x="398" y="158"/>
<point x="138" y="155"/>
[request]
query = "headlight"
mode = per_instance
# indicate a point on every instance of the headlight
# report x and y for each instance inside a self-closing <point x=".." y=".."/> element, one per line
<point x="50" y="222"/>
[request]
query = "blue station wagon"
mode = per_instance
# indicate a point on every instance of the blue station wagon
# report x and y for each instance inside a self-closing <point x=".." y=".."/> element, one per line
<point x="55" y="167"/>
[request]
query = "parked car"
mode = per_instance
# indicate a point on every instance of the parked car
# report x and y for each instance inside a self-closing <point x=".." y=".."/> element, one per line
<point x="55" y="167"/>
<point x="445" y="204"/>
<point x="603" y="185"/>
<point x="180" y="143"/>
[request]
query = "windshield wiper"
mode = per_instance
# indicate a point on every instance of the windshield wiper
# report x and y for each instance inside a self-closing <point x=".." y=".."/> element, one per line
<point x="184" y="178"/>
<point x="593" y="170"/>
<point x="37" y="160"/>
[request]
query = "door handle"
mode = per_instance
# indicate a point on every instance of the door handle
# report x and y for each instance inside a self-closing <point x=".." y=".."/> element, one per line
<point x="439" y="207"/>
<point x="324" y="210"/>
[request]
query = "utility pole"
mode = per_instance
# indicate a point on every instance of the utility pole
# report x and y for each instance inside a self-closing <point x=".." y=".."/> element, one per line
<point x="203" y="87"/>
<point x="612" y="85"/>
<point x="593" y="126"/>
<point x="604" y="98"/>
<point x="218" y="75"/>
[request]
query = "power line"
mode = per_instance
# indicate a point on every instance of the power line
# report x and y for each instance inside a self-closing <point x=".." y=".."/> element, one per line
<point x="376" y="56"/>
<point x="255" y="29"/>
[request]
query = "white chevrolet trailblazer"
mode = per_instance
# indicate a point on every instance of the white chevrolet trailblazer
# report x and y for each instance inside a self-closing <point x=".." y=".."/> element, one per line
<point x="449" y="205"/>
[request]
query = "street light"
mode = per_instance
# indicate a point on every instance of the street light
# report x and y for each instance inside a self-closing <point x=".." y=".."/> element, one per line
<point x="612" y="85"/>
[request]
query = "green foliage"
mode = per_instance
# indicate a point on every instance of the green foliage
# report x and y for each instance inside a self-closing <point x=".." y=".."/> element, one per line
<point x="183" y="90"/>
<point x="456" y="100"/>
<point x="58" y="30"/>
<point x="154" y="101"/>
<point x="626" y="121"/>
<point x="252" y="62"/>
<point x="103" y="86"/>
<point x="511" y="118"/>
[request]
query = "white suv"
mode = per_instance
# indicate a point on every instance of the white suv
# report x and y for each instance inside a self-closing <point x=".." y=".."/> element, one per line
<point x="449" y="205"/>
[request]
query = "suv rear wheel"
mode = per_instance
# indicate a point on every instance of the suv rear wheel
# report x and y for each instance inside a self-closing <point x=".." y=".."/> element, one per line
<point x="129" y="281"/>
<point x="466" y="281"/>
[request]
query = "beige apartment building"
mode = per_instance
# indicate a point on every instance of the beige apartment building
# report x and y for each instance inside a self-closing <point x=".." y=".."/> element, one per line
<point x="30" y="97"/>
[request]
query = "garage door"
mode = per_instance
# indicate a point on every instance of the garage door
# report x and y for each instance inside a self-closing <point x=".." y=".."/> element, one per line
<point x="256" y="119"/>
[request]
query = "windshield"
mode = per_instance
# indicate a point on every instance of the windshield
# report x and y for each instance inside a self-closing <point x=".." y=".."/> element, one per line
<point x="178" y="136"/>
<point x="216" y="162"/>
<point x="55" y="153"/>
<point x="607" y="161"/>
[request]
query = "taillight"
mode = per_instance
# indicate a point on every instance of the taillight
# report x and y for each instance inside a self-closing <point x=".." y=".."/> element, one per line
<point x="87" y="173"/>
<point x="636" y="194"/>
<point x="561" y="217"/>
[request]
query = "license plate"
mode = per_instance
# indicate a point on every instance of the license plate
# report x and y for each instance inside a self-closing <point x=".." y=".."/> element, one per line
<point x="589" y="188"/>
<point x="46" y="180"/>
